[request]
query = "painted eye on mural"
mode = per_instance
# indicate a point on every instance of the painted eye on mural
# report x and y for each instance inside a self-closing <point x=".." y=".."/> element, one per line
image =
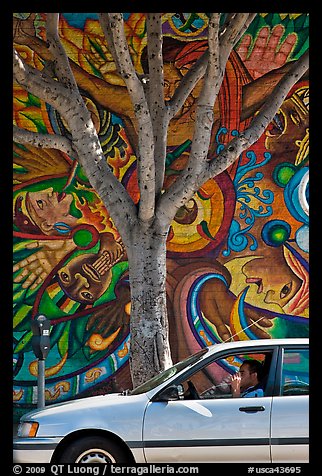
<point x="64" y="277"/>
<point x="88" y="296"/>
<point x="40" y="204"/>
<point x="286" y="290"/>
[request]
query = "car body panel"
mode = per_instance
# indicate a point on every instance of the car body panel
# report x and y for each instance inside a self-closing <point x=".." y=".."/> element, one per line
<point x="290" y="430"/>
<point x="183" y="430"/>
<point x="31" y="450"/>
<point x="228" y="433"/>
<point x="110" y="413"/>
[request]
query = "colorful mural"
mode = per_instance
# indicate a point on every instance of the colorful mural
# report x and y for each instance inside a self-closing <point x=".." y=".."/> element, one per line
<point x="237" y="252"/>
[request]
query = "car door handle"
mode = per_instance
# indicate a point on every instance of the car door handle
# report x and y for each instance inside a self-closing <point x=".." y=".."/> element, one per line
<point x="252" y="409"/>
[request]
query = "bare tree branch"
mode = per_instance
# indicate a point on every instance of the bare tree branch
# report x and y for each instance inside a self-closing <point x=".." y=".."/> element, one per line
<point x="260" y="120"/>
<point x="234" y="28"/>
<point x="40" y="84"/>
<point x="214" y="74"/>
<point x="205" y="105"/>
<point x="154" y="47"/>
<point x="187" y="84"/>
<point x="61" y="63"/>
<point x="104" y="22"/>
<point x="247" y="23"/>
<point x="155" y="90"/>
<point x="204" y="115"/>
<point x="145" y="152"/>
<point x="236" y="24"/>
<point x="44" y="141"/>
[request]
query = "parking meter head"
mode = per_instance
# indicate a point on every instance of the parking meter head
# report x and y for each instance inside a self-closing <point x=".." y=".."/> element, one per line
<point x="41" y="336"/>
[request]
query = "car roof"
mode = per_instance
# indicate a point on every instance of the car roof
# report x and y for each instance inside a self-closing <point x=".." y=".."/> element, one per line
<point x="234" y="345"/>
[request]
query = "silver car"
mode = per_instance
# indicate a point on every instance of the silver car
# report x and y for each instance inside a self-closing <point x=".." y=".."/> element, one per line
<point x="184" y="414"/>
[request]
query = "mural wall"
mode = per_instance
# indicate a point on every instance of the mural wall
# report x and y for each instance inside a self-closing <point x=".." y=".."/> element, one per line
<point x="237" y="252"/>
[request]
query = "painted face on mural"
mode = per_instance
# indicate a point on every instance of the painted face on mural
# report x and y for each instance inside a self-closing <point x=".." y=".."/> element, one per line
<point x="172" y="78"/>
<point x="274" y="283"/>
<point x="49" y="210"/>
<point x="288" y="131"/>
<point x="86" y="277"/>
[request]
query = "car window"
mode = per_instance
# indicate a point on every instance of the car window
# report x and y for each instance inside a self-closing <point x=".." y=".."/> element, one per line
<point x="295" y="372"/>
<point x="213" y="380"/>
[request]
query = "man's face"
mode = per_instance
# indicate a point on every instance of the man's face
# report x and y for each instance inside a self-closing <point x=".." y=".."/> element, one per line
<point x="248" y="379"/>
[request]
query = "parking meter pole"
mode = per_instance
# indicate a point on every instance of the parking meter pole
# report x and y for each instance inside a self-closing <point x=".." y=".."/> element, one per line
<point x="41" y="384"/>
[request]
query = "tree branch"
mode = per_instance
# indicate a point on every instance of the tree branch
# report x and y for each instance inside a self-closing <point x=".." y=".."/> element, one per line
<point x="44" y="141"/>
<point x="187" y="83"/>
<point x="260" y="121"/>
<point x="205" y="106"/>
<point x="155" y="90"/>
<point x="61" y="62"/>
<point x="236" y="24"/>
<point x="234" y="29"/>
<point x="247" y="23"/>
<point x="204" y="118"/>
<point x="145" y="152"/>
<point x="39" y="84"/>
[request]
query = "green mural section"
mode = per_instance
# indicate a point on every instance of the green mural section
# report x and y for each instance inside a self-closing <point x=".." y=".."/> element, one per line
<point x="237" y="252"/>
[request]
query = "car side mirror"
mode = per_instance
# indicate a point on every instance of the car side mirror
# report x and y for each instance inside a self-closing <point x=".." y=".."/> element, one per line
<point x="173" y="392"/>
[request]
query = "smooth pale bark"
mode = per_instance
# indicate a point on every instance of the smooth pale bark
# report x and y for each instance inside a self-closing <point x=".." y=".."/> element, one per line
<point x="144" y="228"/>
<point x="150" y="352"/>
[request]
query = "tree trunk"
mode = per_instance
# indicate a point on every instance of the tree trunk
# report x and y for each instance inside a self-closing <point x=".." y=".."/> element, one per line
<point x="150" y="350"/>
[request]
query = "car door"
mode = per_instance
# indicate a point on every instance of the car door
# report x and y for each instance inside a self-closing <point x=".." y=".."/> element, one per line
<point x="218" y="429"/>
<point x="290" y="407"/>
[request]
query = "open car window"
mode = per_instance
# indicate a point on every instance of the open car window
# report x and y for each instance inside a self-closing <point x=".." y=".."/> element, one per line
<point x="213" y="380"/>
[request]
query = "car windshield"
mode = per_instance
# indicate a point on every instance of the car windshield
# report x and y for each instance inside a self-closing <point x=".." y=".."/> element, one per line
<point x="166" y="374"/>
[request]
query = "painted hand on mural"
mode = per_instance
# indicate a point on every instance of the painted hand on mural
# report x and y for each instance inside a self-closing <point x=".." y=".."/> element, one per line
<point x="111" y="322"/>
<point x="36" y="267"/>
<point x="217" y="305"/>
<point x="267" y="52"/>
<point x="113" y="248"/>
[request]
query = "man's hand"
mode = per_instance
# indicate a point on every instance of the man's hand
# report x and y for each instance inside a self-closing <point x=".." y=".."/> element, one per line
<point x="235" y="385"/>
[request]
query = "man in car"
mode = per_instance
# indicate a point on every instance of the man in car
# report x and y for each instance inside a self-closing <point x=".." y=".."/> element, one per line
<point x="246" y="382"/>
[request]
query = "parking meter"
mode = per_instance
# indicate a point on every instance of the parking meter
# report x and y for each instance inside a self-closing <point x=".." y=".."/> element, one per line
<point x="41" y="336"/>
<point x="41" y="345"/>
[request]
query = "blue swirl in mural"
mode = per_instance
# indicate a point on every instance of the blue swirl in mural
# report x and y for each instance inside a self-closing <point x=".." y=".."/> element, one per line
<point x="246" y="195"/>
